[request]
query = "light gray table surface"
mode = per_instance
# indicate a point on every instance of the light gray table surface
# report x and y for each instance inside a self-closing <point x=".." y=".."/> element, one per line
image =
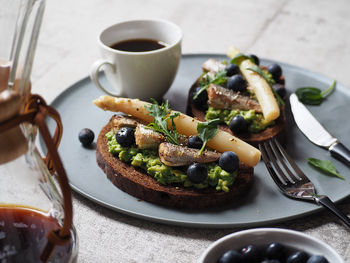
<point x="306" y="33"/>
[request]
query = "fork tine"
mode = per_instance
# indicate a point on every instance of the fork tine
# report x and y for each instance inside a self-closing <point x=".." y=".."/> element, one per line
<point x="274" y="155"/>
<point x="296" y="168"/>
<point x="266" y="157"/>
<point x="279" y="156"/>
<point x="274" y="160"/>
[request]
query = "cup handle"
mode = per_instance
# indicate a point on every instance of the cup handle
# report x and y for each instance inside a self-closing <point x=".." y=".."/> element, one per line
<point x="95" y="69"/>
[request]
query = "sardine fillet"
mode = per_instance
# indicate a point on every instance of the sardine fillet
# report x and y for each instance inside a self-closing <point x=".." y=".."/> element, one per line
<point x="146" y="138"/>
<point x="222" y="98"/>
<point x="120" y="121"/>
<point x="175" y="155"/>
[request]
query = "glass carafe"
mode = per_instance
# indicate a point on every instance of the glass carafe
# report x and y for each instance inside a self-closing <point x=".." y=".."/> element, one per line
<point x="35" y="200"/>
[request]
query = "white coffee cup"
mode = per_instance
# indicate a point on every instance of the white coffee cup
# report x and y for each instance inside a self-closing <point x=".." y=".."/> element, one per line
<point x="142" y="75"/>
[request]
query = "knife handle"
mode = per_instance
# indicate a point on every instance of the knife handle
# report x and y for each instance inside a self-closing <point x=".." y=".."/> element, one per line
<point x="339" y="151"/>
<point x="326" y="202"/>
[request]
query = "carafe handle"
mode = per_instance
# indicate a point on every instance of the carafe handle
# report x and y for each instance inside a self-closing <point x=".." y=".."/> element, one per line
<point x="34" y="103"/>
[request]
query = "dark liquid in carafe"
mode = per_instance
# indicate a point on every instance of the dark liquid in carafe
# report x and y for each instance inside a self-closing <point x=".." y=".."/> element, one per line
<point x="138" y="45"/>
<point x="23" y="234"/>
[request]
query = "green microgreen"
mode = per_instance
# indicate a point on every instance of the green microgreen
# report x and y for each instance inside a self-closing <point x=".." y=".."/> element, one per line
<point x="162" y="114"/>
<point x="219" y="79"/>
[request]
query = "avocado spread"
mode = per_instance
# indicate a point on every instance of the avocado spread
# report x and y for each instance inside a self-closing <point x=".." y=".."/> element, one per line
<point x="148" y="161"/>
<point x="256" y="121"/>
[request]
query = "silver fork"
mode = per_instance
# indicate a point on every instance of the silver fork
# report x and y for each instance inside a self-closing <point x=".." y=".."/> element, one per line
<point x="291" y="180"/>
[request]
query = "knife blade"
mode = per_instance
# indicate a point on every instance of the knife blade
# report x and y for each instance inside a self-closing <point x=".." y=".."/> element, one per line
<point x="315" y="132"/>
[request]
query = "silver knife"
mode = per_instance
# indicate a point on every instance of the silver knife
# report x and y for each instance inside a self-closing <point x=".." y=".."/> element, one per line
<point x="315" y="132"/>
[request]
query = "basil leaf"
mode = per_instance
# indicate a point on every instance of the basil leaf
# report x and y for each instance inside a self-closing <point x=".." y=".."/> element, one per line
<point x="309" y="95"/>
<point x="326" y="166"/>
<point x="207" y="130"/>
<point x="312" y="95"/>
<point x="237" y="59"/>
<point x="269" y="81"/>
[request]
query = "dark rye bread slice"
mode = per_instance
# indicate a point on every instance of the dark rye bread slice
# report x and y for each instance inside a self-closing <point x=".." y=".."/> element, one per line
<point x="277" y="130"/>
<point x="140" y="185"/>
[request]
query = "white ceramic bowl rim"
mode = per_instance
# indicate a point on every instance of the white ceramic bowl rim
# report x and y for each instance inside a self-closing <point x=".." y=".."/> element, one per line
<point x="285" y="232"/>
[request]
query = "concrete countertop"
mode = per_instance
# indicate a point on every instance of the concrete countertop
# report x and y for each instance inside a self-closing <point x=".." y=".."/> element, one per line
<point x="310" y="34"/>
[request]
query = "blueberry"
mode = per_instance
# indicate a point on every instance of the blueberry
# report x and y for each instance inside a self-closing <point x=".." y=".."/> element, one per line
<point x="229" y="161"/>
<point x="271" y="261"/>
<point x="86" y="137"/>
<point x="251" y="254"/>
<point x="125" y="136"/>
<point x="317" y="259"/>
<point x="255" y="58"/>
<point x="197" y="173"/>
<point x="194" y="142"/>
<point x="275" y="251"/>
<point x="201" y="101"/>
<point x="238" y="124"/>
<point x="231" y="69"/>
<point x="280" y="90"/>
<point x="237" y="83"/>
<point x="298" y="257"/>
<point x="275" y="70"/>
<point x="231" y="256"/>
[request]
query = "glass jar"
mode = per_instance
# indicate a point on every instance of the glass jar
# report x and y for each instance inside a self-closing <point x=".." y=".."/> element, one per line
<point x="34" y="203"/>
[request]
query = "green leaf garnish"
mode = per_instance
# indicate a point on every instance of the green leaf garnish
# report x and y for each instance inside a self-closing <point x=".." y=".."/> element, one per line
<point x="269" y="81"/>
<point x="325" y="166"/>
<point x="207" y="130"/>
<point x="314" y="96"/>
<point x="220" y="78"/>
<point x="237" y="59"/>
<point x="161" y="115"/>
<point x="268" y="78"/>
<point x="309" y="95"/>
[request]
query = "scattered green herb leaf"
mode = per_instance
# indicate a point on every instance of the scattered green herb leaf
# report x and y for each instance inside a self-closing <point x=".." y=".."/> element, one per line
<point x="161" y="115"/>
<point x="314" y="96"/>
<point x="237" y="59"/>
<point x="269" y="81"/>
<point x="220" y="78"/>
<point x="207" y="130"/>
<point x="326" y="166"/>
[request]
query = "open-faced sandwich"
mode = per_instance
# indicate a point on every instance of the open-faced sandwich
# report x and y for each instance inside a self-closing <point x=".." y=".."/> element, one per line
<point x="247" y="98"/>
<point x="168" y="158"/>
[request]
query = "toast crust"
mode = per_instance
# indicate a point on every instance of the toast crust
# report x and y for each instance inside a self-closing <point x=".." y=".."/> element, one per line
<point x="140" y="185"/>
<point x="277" y="130"/>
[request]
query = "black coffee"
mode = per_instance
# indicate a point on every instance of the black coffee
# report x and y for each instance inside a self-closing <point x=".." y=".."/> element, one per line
<point x="138" y="45"/>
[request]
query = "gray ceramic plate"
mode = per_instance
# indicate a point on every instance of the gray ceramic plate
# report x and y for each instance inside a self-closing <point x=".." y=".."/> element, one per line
<point x="262" y="205"/>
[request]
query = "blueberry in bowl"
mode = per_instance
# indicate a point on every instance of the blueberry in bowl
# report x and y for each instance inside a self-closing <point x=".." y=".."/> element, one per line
<point x="269" y="245"/>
